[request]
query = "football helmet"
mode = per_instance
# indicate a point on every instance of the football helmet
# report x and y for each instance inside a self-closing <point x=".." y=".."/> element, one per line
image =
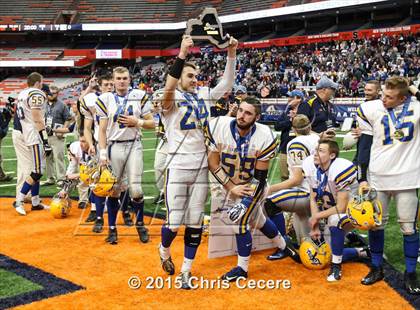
<point x="60" y="207"/>
<point x="87" y="170"/>
<point x="314" y="255"/>
<point x="365" y="210"/>
<point x="103" y="182"/>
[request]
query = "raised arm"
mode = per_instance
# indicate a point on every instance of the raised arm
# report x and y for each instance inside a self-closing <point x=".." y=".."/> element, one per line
<point x="175" y="73"/>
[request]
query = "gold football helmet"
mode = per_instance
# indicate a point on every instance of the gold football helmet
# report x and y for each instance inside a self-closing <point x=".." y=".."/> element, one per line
<point x="364" y="210"/>
<point x="104" y="181"/>
<point x="314" y="255"/>
<point x="60" y="207"/>
<point x="87" y="170"/>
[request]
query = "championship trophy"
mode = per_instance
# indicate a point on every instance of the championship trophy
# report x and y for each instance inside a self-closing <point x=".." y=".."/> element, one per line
<point x="208" y="28"/>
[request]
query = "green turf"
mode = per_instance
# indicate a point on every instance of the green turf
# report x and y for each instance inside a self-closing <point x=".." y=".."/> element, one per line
<point x="12" y="284"/>
<point x="393" y="237"/>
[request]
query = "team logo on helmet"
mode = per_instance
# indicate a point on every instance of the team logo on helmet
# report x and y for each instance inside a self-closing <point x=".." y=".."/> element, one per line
<point x="315" y="255"/>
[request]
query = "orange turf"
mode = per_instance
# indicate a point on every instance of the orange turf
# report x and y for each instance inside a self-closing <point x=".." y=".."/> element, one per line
<point x="67" y="249"/>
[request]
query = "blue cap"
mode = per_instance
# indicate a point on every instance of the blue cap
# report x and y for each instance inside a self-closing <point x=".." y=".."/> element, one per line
<point x="296" y="93"/>
<point x="240" y="89"/>
<point x="325" y="82"/>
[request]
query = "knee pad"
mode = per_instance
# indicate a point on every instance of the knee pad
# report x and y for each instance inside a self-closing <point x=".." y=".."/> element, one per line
<point x="270" y="208"/>
<point x="36" y="176"/>
<point x="408" y="229"/>
<point x="192" y="237"/>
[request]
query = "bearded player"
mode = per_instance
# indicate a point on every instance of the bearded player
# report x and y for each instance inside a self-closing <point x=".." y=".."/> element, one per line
<point x="394" y="172"/>
<point x="122" y="114"/>
<point x="239" y="158"/>
<point x="185" y="116"/>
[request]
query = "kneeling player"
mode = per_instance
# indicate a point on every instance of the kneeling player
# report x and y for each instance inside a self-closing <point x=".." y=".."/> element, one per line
<point x="239" y="157"/>
<point x="292" y="195"/>
<point x="331" y="180"/>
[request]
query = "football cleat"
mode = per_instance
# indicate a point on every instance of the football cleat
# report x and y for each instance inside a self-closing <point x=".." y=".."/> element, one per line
<point x="127" y="218"/>
<point x="99" y="225"/>
<point x="289" y="251"/>
<point x="410" y="283"/>
<point x="335" y="273"/>
<point x="112" y="236"/>
<point x="375" y="274"/>
<point x="185" y="278"/>
<point x="234" y="274"/>
<point x="91" y="217"/>
<point x="39" y="207"/>
<point x="159" y="199"/>
<point x="277" y="255"/>
<point x="19" y="208"/>
<point x="167" y="264"/>
<point x="142" y="232"/>
<point x="82" y="205"/>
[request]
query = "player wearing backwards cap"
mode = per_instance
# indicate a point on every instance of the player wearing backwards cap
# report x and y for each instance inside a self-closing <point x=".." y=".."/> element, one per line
<point x="292" y="195"/>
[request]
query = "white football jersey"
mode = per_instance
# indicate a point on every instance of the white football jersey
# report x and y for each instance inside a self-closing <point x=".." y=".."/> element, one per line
<point x="363" y="124"/>
<point x="185" y="124"/>
<point x="88" y="109"/>
<point x="239" y="164"/>
<point x="110" y="106"/>
<point x="28" y="99"/>
<point x="297" y="150"/>
<point x="341" y="175"/>
<point x="394" y="162"/>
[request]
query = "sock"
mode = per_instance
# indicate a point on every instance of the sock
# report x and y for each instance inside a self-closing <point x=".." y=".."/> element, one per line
<point x="278" y="220"/>
<point x="243" y="262"/>
<point x="350" y="254"/>
<point x="271" y="232"/>
<point x="244" y="244"/>
<point x="164" y="252"/>
<point x="411" y="250"/>
<point x="167" y="236"/>
<point x="99" y="204"/>
<point x="186" y="264"/>
<point x="337" y="259"/>
<point x="26" y="187"/>
<point x="124" y="201"/>
<point x="337" y="241"/>
<point x="376" y="244"/>
<point x="138" y="206"/>
<point x="92" y="202"/>
<point x="113" y="206"/>
<point x="35" y="194"/>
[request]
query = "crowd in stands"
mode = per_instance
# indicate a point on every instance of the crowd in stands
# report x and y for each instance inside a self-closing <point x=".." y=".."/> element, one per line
<point x="278" y="70"/>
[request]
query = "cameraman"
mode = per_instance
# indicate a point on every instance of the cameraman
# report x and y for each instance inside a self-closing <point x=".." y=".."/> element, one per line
<point x="5" y="117"/>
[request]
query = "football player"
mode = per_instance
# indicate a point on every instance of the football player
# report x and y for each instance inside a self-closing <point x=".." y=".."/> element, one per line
<point x="91" y="132"/>
<point x="331" y="179"/>
<point x="239" y="157"/>
<point x="31" y="110"/>
<point x="121" y="116"/>
<point x="185" y="116"/>
<point x="394" y="172"/>
<point x="292" y="195"/>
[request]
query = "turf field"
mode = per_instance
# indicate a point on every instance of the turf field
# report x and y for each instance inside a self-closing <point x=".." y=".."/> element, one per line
<point x="393" y="236"/>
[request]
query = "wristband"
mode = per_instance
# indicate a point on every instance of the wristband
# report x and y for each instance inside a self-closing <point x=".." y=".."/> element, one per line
<point x="176" y="69"/>
<point x="44" y="136"/>
<point x="102" y="154"/>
